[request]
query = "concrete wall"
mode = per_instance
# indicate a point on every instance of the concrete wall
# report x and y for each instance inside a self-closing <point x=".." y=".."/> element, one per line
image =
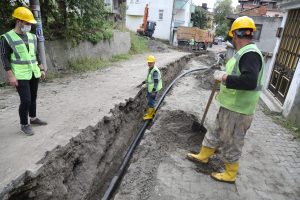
<point x="267" y="40"/>
<point x="59" y="52"/>
<point x="291" y="106"/>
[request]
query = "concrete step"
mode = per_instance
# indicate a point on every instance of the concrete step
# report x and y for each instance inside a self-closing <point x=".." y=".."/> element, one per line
<point x="271" y="101"/>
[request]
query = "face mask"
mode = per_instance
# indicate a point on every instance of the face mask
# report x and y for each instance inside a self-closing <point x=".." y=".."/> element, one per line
<point x="26" y="28"/>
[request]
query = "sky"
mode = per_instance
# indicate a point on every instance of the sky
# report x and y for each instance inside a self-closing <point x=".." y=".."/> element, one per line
<point x="210" y="3"/>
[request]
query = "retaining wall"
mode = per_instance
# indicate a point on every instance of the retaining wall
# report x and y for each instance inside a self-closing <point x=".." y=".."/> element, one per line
<point x="59" y="52"/>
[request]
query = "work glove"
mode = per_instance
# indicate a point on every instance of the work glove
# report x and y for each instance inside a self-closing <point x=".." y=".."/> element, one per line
<point x="140" y="85"/>
<point x="218" y="75"/>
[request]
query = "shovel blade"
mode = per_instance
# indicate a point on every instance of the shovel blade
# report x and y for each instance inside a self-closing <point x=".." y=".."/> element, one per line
<point x="196" y="126"/>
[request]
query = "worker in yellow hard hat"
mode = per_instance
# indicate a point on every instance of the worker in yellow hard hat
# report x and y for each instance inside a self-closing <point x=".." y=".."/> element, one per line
<point x="239" y="94"/>
<point x="154" y="85"/>
<point x="19" y="56"/>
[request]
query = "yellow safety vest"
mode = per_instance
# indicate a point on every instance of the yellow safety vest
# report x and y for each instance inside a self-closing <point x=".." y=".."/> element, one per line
<point x="241" y="101"/>
<point x="150" y="82"/>
<point x="23" y="61"/>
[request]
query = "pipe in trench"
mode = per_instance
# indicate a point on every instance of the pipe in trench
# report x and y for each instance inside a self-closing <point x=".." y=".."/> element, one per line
<point x="117" y="178"/>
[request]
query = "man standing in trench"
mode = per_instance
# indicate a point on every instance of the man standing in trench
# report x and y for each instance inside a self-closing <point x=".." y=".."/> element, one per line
<point x="18" y="50"/>
<point x="238" y="97"/>
<point x="154" y="85"/>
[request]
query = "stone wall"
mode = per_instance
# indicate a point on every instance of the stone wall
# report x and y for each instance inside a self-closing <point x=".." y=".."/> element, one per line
<point x="59" y="52"/>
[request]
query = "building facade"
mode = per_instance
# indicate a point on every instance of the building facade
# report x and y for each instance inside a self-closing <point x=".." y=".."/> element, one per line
<point x="167" y="14"/>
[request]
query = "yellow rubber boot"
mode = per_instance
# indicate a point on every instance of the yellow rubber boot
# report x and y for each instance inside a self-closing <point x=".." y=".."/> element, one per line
<point x="229" y="176"/>
<point x="150" y="114"/>
<point x="203" y="156"/>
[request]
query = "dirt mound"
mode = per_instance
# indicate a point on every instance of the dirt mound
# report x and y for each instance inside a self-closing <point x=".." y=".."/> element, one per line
<point x="158" y="46"/>
<point x="172" y="131"/>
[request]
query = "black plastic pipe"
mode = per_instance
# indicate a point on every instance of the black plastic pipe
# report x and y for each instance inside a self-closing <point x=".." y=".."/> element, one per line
<point x="117" y="178"/>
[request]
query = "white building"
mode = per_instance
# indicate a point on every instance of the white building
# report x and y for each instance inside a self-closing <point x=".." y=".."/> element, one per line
<point x="161" y="12"/>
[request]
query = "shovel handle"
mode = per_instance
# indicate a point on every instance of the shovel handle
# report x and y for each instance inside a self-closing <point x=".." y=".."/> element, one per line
<point x="209" y="101"/>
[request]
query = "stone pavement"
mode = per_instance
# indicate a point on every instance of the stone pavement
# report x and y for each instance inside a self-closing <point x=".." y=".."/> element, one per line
<point x="270" y="165"/>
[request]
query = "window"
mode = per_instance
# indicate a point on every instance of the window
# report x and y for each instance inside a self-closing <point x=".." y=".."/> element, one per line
<point x="256" y="34"/>
<point x="270" y="6"/>
<point x="160" y="14"/>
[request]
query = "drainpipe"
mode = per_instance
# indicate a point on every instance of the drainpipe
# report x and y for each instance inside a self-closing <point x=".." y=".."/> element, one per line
<point x="36" y="9"/>
<point x="172" y="22"/>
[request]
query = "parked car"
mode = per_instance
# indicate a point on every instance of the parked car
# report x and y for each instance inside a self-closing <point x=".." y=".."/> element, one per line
<point x="218" y="40"/>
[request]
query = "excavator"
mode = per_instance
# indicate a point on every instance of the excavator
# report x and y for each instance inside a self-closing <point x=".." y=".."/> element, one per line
<point x="147" y="28"/>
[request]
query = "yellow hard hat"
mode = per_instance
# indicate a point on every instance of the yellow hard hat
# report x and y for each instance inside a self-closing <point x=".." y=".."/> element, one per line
<point x="24" y="14"/>
<point x="150" y="59"/>
<point x="242" y="22"/>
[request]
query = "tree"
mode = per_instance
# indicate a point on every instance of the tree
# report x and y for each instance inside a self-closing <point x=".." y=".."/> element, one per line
<point x="199" y="18"/>
<point x="73" y="20"/>
<point x="6" y="9"/>
<point x="222" y="8"/>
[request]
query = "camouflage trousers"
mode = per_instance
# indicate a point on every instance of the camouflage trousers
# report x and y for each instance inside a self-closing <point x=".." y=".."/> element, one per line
<point x="228" y="134"/>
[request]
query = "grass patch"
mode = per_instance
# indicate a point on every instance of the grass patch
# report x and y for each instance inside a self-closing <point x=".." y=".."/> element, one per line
<point x="120" y="57"/>
<point x="280" y="120"/>
<point x="53" y="75"/>
<point x="138" y="44"/>
<point x="3" y="84"/>
<point x="87" y="64"/>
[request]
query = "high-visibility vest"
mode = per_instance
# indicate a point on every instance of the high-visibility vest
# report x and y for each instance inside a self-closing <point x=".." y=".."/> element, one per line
<point x="150" y="82"/>
<point x="192" y="42"/>
<point x="241" y="101"/>
<point x="23" y="61"/>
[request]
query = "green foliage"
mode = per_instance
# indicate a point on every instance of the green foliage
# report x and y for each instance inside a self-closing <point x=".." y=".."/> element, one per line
<point x="87" y="64"/>
<point x="222" y="29"/>
<point x="221" y="9"/>
<point x="138" y="44"/>
<point x="199" y="18"/>
<point x="76" y="20"/>
<point x="6" y="10"/>
<point x="120" y="57"/>
<point x="73" y="20"/>
<point x="84" y="64"/>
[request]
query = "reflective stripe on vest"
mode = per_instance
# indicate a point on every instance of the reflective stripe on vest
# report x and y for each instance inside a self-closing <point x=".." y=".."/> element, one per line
<point x="150" y="82"/>
<point x="241" y="101"/>
<point x="23" y="60"/>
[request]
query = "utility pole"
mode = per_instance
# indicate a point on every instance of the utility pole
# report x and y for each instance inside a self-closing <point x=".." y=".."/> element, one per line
<point x="36" y="9"/>
<point x="172" y="22"/>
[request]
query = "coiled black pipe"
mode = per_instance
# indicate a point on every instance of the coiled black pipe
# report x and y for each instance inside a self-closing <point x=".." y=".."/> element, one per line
<point x="117" y="178"/>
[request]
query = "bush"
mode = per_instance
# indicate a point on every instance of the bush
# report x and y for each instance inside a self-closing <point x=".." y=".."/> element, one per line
<point x="69" y="19"/>
<point x="138" y="44"/>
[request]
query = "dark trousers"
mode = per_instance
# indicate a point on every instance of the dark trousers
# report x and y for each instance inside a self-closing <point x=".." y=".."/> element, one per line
<point x="27" y="90"/>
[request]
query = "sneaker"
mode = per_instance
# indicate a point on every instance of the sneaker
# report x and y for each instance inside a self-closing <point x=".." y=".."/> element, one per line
<point x="26" y="129"/>
<point x="38" y="122"/>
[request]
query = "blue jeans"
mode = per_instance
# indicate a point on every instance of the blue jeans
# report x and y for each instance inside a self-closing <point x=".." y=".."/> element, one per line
<point x="151" y="97"/>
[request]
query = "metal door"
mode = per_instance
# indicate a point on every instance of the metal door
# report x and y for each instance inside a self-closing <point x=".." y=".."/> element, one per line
<point x="287" y="57"/>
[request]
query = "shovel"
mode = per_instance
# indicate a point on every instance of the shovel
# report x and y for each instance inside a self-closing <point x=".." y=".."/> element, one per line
<point x="200" y="127"/>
